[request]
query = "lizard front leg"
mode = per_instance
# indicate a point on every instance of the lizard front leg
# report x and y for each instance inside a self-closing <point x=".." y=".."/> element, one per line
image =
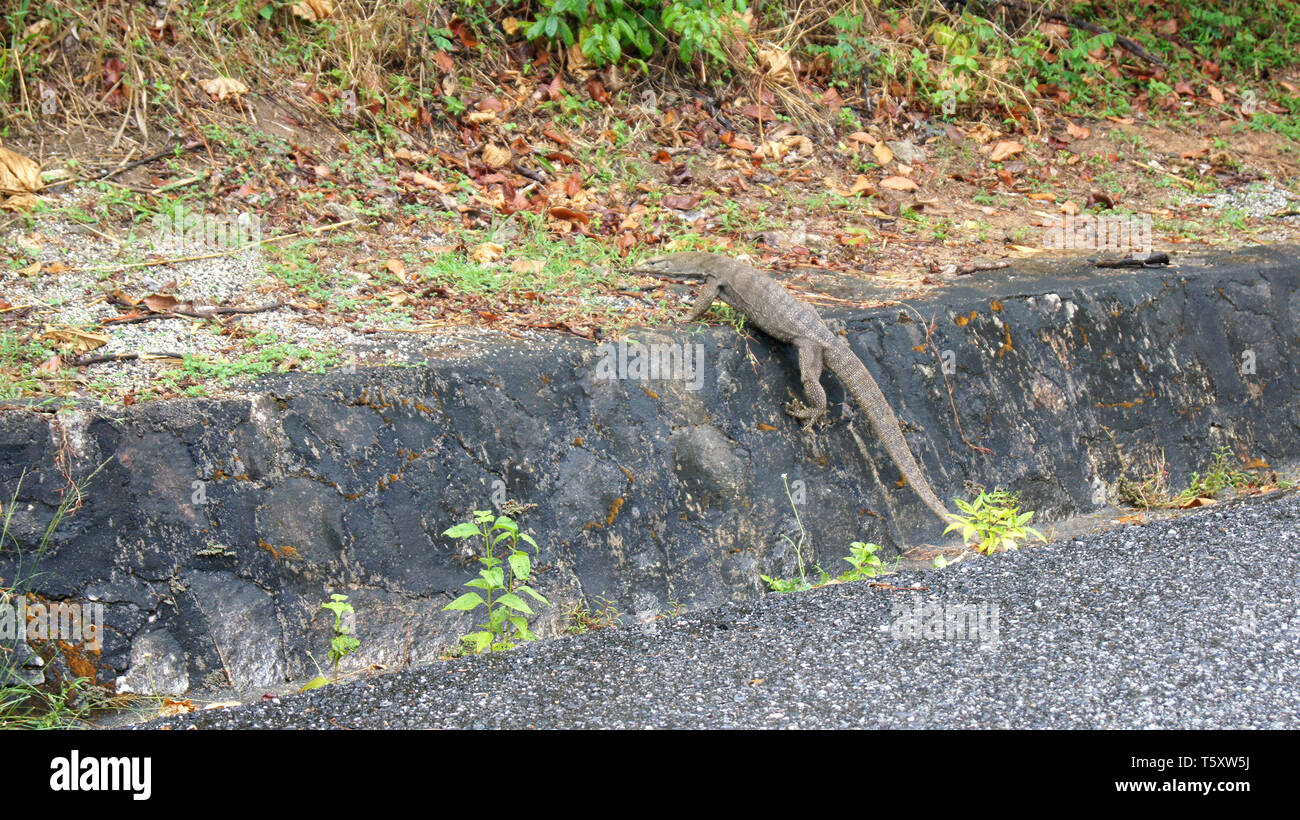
<point x="810" y="373"/>
<point x="704" y="301"/>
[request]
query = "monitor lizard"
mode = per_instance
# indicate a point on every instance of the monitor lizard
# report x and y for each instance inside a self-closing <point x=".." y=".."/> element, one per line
<point x="770" y="306"/>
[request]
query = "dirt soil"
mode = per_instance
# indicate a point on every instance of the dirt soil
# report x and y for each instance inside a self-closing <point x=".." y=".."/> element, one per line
<point x="520" y="219"/>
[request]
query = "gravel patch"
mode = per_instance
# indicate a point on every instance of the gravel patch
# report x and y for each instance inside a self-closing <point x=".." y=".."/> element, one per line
<point x="1259" y="200"/>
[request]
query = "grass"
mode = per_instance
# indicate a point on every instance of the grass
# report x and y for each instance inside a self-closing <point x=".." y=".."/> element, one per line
<point x="582" y="619"/>
<point x="1152" y="490"/>
<point x="1221" y="475"/>
<point x="269" y="355"/>
<point x="23" y="705"/>
<point x="20" y="355"/>
<point x="294" y="265"/>
<point x="533" y="260"/>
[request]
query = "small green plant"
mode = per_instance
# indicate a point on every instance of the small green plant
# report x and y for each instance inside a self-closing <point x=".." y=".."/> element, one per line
<point x="584" y="619"/>
<point x="993" y="521"/>
<point x="866" y="564"/>
<point x="862" y="558"/>
<point x="343" y="643"/>
<point x="779" y="584"/>
<point x="500" y="580"/>
<point x="852" y="53"/>
<point x="1220" y="476"/>
<point x="784" y="584"/>
<point x="1145" y="493"/>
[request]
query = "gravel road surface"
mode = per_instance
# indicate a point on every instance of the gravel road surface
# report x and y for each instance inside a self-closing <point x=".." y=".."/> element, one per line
<point x="1191" y="622"/>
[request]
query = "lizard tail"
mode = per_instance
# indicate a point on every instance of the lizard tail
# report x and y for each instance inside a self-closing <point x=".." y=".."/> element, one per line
<point x="857" y="379"/>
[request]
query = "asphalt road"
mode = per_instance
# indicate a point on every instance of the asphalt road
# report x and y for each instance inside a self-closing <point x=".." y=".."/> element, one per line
<point x="1192" y="622"/>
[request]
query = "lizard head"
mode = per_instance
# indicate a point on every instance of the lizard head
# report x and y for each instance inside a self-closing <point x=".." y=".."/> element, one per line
<point x="683" y="265"/>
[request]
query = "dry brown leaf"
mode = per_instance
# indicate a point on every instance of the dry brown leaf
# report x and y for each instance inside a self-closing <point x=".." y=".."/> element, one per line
<point x="430" y="182"/>
<point x="981" y="134"/>
<point x="396" y="267"/>
<point x="223" y="87"/>
<point x="20" y="202"/>
<point x="494" y="156"/>
<point x="79" y="340"/>
<point x="528" y="265"/>
<point x="682" y="202"/>
<point x="313" y="10"/>
<point x="1004" y="149"/>
<point x="18" y="173"/>
<point x="487" y="253"/>
<point x="882" y="153"/>
<point x="560" y="212"/>
<point x="161" y="303"/>
<point x="1078" y="132"/>
<point x="861" y="185"/>
<point x="899" y="184"/>
<point x="778" y="66"/>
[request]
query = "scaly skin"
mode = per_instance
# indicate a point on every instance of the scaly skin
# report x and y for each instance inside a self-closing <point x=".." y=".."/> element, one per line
<point x="778" y="314"/>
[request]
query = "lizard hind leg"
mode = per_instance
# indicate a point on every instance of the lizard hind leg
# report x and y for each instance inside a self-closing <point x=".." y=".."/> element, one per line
<point x="810" y="373"/>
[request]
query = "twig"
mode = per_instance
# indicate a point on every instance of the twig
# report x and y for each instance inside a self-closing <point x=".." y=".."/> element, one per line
<point x="190" y="146"/>
<point x="122" y="357"/>
<point x="929" y="342"/>
<point x="197" y="313"/>
<point x="1152" y="167"/>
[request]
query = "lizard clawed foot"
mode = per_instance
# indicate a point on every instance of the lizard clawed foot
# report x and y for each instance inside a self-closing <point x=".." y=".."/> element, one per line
<point x="807" y="415"/>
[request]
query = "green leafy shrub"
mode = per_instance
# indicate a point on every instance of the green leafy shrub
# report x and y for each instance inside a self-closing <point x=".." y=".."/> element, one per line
<point x="608" y="30"/>
<point x="866" y="564"/>
<point x="500" y="579"/>
<point x="343" y="643"/>
<point x="852" y="54"/>
<point x="993" y="521"/>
